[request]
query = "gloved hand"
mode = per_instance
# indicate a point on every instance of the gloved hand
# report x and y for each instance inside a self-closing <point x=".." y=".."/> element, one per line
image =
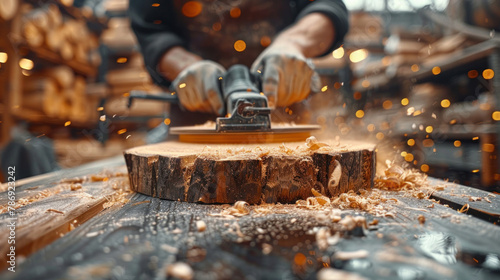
<point x="287" y="76"/>
<point x="198" y="87"/>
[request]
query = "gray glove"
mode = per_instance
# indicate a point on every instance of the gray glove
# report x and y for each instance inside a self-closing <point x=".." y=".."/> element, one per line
<point x="198" y="87"/>
<point x="288" y="77"/>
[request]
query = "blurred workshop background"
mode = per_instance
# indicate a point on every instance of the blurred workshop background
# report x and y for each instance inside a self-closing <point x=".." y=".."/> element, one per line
<point x="417" y="76"/>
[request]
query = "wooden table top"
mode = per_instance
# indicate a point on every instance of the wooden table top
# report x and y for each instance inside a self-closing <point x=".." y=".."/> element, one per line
<point x="85" y="229"/>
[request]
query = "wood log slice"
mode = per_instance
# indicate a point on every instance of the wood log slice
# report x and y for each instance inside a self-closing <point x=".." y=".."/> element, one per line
<point x="253" y="173"/>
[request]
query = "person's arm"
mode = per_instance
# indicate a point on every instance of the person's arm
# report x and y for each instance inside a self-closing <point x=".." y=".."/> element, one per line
<point x="175" y="60"/>
<point x="313" y="35"/>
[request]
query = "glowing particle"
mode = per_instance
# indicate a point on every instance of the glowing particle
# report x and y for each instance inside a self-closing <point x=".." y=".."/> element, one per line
<point x="370" y="127"/>
<point x="379" y="136"/>
<point x="102" y="118"/>
<point x="235" y="12"/>
<point x="240" y="45"/>
<point x="325" y="88"/>
<point x="337" y="85"/>
<point x="445" y="103"/>
<point x="472" y="74"/>
<point x="475" y="138"/>
<point x="386" y="60"/>
<point x="428" y="143"/>
<point x="300" y="259"/>
<point x="156" y="5"/>
<point x="265" y="41"/>
<point x="358" y="55"/>
<point x="387" y="104"/>
<point x="121" y="60"/>
<point x="338" y="53"/>
<point x="488" y="74"/>
<point x="409" y="157"/>
<point x="424" y="168"/>
<point x="217" y="26"/>
<point x="360" y="114"/>
<point x="167" y="121"/>
<point x="128" y="136"/>
<point x="365" y="83"/>
<point x="26" y="64"/>
<point x="183" y="85"/>
<point x="489" y="148"/>
<point x="357" y="95"/>
<point x="457" y="143"/>
<point x="415" y="68"/>
<point x="192" y="9"/>
<point x="436" y="70"/>
<point x="410" y="142"/>
<point x="121" y="131"/>
<point x="405" y="101"/>
<point x="403" y="153"/>
<point x="429" y="129"/>
<point x="100" y="109"/>
<point x="3" y="57"/>
<point x="157" y="21"/>
<point x="496" y="116"/>
<point x="475" y="171"/>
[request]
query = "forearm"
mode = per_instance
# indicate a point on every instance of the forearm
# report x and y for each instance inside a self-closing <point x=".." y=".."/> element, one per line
<point x="312" y="35"/>
<point x="175" y="60"/>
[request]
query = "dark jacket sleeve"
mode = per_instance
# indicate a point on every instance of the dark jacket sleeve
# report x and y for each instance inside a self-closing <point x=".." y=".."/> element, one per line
<point x="156" y="32"/>
<point x="333" y="9"/>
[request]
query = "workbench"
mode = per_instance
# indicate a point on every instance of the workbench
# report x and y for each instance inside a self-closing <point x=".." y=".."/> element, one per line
<point x="77" y="227"/>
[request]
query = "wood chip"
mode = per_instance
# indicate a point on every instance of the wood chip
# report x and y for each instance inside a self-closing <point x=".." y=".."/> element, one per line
<point x="201" y="226"/>
<point x="180" y="270"/>
<point x="421" y="219"/>
<point x="54" y="211"/>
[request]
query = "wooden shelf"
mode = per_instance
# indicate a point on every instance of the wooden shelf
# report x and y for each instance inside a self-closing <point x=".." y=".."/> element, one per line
<point x="40" y="118"/>
<point x="47" y="55"/>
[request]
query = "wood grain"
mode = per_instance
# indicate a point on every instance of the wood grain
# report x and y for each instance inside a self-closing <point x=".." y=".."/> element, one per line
<point x="253" y="173"/>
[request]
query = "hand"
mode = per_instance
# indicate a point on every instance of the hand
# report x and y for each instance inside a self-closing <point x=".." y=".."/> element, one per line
<point x="287" y="76"/>
<point x="198" y="87"/>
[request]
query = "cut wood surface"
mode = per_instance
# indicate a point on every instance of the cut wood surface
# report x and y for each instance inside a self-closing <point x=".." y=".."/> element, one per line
<point x="250" y="172"/>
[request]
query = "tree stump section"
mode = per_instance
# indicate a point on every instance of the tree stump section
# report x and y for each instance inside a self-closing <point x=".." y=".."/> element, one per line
<point x="253" y="173"/>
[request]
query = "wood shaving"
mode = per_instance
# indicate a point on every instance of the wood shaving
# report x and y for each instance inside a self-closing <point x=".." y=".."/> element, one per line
<point x="180" y="270"/>
<point x="344" y="256"/>
<point x="397" y="178"/>
<point x="201" y="226"/>
<point x="421" y="219"/>
<point x="313" y="144"/>
<point x="487" y="199"/>
<point x="75" y="187"/>
<point x="475" y="198"/>
<point x="464" y="208"/>
<point x="322" y="238"/>
<point x="54" y="211"/>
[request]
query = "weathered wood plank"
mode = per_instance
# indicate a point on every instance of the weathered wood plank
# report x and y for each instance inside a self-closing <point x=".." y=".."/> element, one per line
<point x="250" y="172"/>
<point x="479" y="203"/>
<point x="48" y="208"/>
<point x="147" y="234"/>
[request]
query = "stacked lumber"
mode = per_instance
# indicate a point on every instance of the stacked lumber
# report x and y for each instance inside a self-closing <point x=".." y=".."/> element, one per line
<point x="9" y="9"/>
<point x="59" y="93"/>
<point x="46" y="27"/>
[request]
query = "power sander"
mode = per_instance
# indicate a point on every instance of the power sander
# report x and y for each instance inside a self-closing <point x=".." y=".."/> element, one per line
<point x="248" y="116"/>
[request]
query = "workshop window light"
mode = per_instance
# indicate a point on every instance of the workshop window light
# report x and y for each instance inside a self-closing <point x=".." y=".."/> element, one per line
<point x="3" y="57"/>
<point x="26" y="64"/>
<point x="338" y="53"/>
<point x="358" y="55"/>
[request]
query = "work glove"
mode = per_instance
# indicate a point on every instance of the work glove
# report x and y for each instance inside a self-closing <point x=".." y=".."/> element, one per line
<point x="198" y="87"/>
<point x="287" y="76"/>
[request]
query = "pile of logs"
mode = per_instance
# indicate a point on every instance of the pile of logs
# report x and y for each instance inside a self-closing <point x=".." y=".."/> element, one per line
<point x="70" y="38"/>
<point x="59" y="93"/>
